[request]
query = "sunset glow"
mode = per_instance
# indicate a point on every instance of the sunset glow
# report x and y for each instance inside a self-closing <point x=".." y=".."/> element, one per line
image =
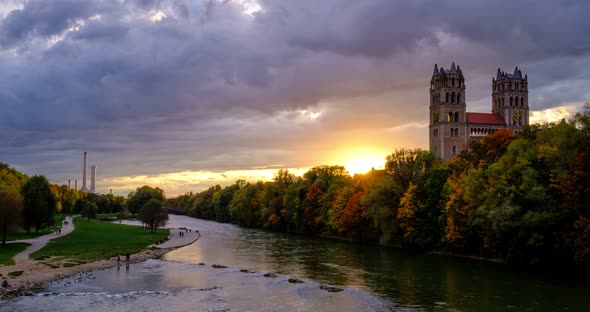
<point x="360" y="161"/>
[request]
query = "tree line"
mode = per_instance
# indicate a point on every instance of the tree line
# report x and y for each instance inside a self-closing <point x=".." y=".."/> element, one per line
<point x="524" y="198"/>
<point x="31" y="203"/>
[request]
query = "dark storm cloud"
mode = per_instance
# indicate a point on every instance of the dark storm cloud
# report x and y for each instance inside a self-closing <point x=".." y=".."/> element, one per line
<point x="41" y="18"/>
<point x="154" y="86"/>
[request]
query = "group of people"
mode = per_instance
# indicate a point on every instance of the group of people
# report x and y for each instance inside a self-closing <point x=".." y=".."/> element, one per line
<point x="181" y="233"/>
<point x="63" y="223"/>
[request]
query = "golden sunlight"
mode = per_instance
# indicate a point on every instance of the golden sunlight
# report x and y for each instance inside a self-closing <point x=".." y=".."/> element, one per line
<point x="362" y="160"/>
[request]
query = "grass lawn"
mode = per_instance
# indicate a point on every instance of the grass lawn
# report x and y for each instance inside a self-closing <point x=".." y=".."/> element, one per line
<point x="8" y="251"/>
<point x="95" y="240"/>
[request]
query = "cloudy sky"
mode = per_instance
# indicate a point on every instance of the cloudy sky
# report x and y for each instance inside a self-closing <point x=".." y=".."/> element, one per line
<point x="188" y="93"/>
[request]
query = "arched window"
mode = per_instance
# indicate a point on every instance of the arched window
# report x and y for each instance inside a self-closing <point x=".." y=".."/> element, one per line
<point x="453" y="97"/>
<point x="516" y="101"/>
<point x="454" y="149"/>
<point x="452" y="131"/>
<point x="459" y="97"/>
<point x="450" y="117"/>
<point x="522" y="102"/>
<point x="453" y="81"/>
<point x="447" y="98"/>
<point x="511" y="101"/>
<point x="456" y="116"/>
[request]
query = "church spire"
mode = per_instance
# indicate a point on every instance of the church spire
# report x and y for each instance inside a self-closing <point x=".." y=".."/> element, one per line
<point x="435" y="70"/>
<point x="453" y="69"/>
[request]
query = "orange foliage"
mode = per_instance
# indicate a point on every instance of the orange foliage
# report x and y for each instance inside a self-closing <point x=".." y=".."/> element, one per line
<point x="352" y="215"/>
<point x="491" y="148"/>
<point x="313" y="204"/>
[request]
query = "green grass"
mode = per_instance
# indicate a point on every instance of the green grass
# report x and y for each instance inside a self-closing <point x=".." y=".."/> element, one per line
<point x="8" y="251"/>
<point x="95" y="240"/>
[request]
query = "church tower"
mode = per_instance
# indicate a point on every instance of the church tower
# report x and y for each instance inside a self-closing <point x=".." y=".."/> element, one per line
<point x="447" y="112"/>
<point x="510" y="98"/>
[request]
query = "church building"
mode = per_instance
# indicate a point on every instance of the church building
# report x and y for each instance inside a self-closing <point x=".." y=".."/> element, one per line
<point x="452" y="127"/>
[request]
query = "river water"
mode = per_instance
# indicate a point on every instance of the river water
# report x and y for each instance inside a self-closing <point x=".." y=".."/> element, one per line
<point x="373" y="279"/>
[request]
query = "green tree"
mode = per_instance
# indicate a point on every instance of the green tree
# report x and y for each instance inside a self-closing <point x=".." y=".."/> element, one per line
<point x="39" y="203"/>
<point x="409" y="166"/>
<point x="153" y="214"/>
<point x="89" y="211"/>
<point x="141" y="196"/>
<point x="69" y="201"/>
<point x="10" y="209"/>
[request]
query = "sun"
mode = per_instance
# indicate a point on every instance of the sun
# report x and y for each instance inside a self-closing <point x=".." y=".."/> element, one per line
<point x="362" y="161"/>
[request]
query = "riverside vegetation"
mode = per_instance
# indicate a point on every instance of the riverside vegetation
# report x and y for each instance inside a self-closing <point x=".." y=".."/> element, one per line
<point x="32" y="203"/>
<point x="521" y="198"/>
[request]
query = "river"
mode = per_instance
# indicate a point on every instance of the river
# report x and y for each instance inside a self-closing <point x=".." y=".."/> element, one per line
<point x="373" y="278"/>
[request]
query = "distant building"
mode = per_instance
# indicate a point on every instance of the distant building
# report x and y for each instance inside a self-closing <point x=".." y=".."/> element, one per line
<point x="452" y="127"/>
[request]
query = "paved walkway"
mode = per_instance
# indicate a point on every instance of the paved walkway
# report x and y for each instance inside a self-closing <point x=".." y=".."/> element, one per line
<point x="38" y="242"/>
<point x="175" y="241"/>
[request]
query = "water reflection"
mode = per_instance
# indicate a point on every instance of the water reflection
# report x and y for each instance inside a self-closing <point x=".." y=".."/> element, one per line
<point x="410" y="280"/>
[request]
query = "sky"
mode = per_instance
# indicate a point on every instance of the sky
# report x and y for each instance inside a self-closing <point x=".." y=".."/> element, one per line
<point x="187" y="94"/>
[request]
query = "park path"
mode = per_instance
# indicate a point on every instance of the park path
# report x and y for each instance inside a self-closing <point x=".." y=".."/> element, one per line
<point x="175" y="241"/>
<point x="39" y="242"/>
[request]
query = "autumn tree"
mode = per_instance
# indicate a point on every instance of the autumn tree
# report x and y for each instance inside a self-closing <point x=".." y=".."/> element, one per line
<point x="352" y="219"/>
<point x="490" y="148"/>
<point x="312" y="212"/>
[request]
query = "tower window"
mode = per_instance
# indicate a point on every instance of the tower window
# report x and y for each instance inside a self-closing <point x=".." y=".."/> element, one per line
<point x="459" y="97"/>
<point x="454" y="150"/>
<point x="450" y="117"/>
<point x="456" y="116"/>
<point x="447" y="98"/>
<point x="511" y="101"/>
<point x="453" y="97"/>
<point x="516" y="101"/>
<point x="521" y="102"/>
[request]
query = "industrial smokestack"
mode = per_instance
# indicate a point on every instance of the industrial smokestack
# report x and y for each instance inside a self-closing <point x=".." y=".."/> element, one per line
<point x="76" y="184"/>
<point x="84" y="189"/>
<point x="92" y="178"/>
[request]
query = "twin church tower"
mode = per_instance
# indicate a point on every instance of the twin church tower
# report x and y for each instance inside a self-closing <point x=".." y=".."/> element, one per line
<point x="452" y="127"/>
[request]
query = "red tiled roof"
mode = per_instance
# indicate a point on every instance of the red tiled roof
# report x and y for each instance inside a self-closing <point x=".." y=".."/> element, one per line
<point x="485" y="118"/>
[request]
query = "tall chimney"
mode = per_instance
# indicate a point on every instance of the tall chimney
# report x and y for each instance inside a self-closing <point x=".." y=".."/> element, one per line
<point x="92" y="178"/>
<point x="76" y="184"/>
<point x="69" y="183"/>
<point x="84" y="189"/>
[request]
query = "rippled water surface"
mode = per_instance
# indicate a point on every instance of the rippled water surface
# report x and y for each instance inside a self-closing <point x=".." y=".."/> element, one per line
<point x="373" y="278"/>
